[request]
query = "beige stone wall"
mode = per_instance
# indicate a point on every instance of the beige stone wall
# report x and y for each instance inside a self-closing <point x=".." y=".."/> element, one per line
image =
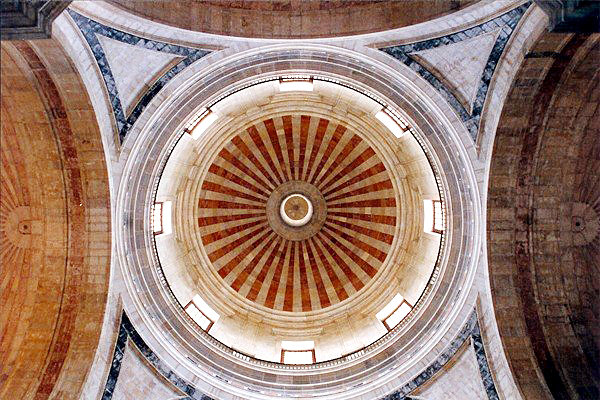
<point x="139" y="380"/>
<point x="284" y="19"/>
<point x="543" y="218"/>
<point x="55" y="225"/>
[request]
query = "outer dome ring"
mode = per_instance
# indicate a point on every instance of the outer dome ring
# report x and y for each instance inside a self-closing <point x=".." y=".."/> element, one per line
<point x="135" y="254"/>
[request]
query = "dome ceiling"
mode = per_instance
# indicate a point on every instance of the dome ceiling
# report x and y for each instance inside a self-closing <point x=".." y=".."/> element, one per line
<point x="296" y="216"/>
<point x="336" y="251"/>
<point x="291" y="19"/>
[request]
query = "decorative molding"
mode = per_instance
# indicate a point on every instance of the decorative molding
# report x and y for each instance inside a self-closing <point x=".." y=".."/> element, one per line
<point x="27" y="20"/>
<point x="90" y="28"/>
<point x="128" y="332"/>
<point x="504" y="24"/>
<point x="469" y="331"/>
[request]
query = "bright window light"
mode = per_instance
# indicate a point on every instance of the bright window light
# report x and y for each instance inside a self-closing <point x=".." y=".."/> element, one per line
<point x="198" y="317"/>
<point x="398" y="315"/>
<point x="298" y="357"/>
<point x="203" y="122"/>
<point x="297" y="344"/>
<point x="438" y="217"/>
<point x="161" y="218"/>
<point x="157" y="218"/>
<point x="295" y="84"/>
<point x="201" y="313"/>
<point x="394" y="312"/>
<point x="390" y="123"/>
<point x="206" y="309"/>
<point x="433" y="216"/>
<point x="298" y="352"/>
<point x="389" y="309"/>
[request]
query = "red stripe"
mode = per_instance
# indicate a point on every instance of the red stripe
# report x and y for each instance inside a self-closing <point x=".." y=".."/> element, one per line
<point x="289" y="143"/>
<point x="270" y="125"/>
<point x="262" y="148"/>
<point x="352" y="277"/>
<point x="323" y="297"/>
<point x="375" y="187"/>
<point x="275" y="281"/>
<point x="218" y="235"/>
<point x="319" y="135"/>
<point x="304" y="125"/>
<point x="375" y="252"/>
<point x="245" y="273"/>
<point x="230" y="176"/>
<point x="217" y="188"/>
<point x="335" y="280"/>
<point x="205" y="203"/>
<point x="360" y="159"/>
<point x="387" y="202"/>
<point x="304" y="289"/>
<point x="374" y="170"/>
<point x="233" y="160"/>
<point x="219" y="219"/>
<point x="258" y="282"/>
<point x="337" y="135"/>
<point x="380" y="219"/>
<point x="288" y="301"/>
<point x="368" y="268"/>
<point x="239" y="143"/>
<point x="220" y="252"/>
<point x="381" y="236"/>
<point x="339" y="159"/>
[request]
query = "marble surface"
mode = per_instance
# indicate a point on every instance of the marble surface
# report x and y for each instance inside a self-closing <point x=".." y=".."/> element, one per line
<point x="504" y="25"/>
<point x="91" y="29"/>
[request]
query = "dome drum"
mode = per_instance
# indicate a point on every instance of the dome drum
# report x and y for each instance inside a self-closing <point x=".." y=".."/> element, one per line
<point x="427" y="125"/>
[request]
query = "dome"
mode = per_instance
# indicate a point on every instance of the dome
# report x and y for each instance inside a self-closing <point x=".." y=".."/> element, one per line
<point x="290" y="220"/>
<point x="299" y="199"/>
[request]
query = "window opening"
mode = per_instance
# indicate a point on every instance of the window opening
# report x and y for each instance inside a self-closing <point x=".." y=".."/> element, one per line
<point x="201" y="313"/>
<point x="394" y="312"/>
<point x="295" y="83"/>
<point x="161" y="218"/>
<point x="199" y="124"/>
<point x="298" y="352"/>
<point x="433" y="216"/>
<point x="394" y="124"/>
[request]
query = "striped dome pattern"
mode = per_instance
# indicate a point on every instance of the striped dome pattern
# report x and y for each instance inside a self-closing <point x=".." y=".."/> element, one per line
<point x="335" y="261"/>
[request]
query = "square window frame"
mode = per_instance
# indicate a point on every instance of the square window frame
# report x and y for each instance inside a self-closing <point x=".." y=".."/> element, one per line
<point x="433" y="228"/>
<point x="312" y="351"/>
<point x="161" y="231"/>
<point x="384" y="320"/>
<point x="210" y="325"/>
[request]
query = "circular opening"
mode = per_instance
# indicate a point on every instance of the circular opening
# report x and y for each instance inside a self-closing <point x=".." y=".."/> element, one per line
<point x="296" y="210"/>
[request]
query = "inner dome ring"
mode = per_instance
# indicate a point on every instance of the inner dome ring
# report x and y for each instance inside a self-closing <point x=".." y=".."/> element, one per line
<point x="296" y="210"/>
<point x="461" y="191"/>
<point x="301" y="229"/>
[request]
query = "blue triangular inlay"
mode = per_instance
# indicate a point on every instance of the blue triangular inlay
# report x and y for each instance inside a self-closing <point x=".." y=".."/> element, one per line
<point x="504" y="23"/>
<point x="90" y="28"/>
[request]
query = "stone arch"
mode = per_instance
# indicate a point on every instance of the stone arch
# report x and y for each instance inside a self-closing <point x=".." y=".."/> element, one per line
<point x="544" y="196"/>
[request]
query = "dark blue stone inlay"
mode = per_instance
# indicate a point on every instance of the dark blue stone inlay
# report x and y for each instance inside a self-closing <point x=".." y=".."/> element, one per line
<point x="127" y="331"/>
<point x="469" y="330"/>
<point x="504" y="24"/>
<point x="90" y="28"/>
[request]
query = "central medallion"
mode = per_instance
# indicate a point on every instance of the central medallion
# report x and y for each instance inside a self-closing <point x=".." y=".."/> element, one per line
<point x="296" y="210"/>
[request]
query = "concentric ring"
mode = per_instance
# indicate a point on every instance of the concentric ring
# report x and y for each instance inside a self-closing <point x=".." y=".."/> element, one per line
<point x="296" y="210"/>
<point x="327" y="259"/>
